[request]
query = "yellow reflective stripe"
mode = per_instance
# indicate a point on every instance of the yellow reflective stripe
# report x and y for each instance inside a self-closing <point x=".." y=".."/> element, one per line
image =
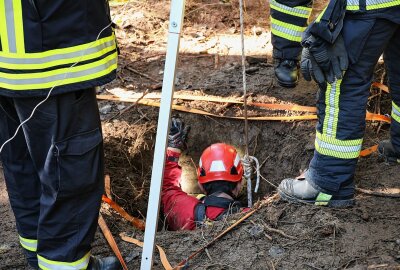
<point x="395" y="112"/>
<point x="352" y="7"/>
<point x="330" y="146"/>
<point x="287" y="31"/>
<point x="3" y="28"/>
<point x="28" y="244"/>
<point x="372" y="4"/>
<point x="19" y="27"/>
<point x="302" y="12"/>
<point x="287" y="25"/>
<point x="26" y="64"/>
<point x="57" y="265"/>
<point x="68" y="76"/>
<point x="331" y="108"/>
<point x="58" y="52"/>
<point x="318" y="19"/>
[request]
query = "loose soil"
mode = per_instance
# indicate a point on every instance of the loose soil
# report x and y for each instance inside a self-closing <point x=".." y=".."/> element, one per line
<point x="366" y="236"/>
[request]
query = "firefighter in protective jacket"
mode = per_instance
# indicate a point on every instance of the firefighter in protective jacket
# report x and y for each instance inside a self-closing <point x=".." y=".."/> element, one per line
<point x="54" y="166"/>
<point x="219" y="174"/>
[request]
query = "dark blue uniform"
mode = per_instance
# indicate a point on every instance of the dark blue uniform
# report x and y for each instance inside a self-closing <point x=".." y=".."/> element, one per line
<point x="54" y="167"/>
<point x="370" y="28"/>
<point x="288" y="22"/>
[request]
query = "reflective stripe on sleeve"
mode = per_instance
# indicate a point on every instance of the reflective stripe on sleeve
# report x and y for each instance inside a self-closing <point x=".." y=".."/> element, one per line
<point x="286" y="30"/>
<point x="303" y="12"/>
<point x="330" y="146"/>
<point x="57" y="265"/>
<point x="28" y="244"/>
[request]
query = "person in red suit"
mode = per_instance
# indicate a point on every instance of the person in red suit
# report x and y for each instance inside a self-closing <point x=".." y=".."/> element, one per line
<point x="219" y="175"/>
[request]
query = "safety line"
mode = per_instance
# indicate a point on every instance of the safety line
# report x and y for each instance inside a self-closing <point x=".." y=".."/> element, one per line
<point x="138" y="223"/>
<point x="111" y="241"/>
<point x="368" y="151"/>
<point x="163" y="256"/>
<point x="268" y="106"/>
<point x="369" y="116"/>
<point x="383" y="87"/>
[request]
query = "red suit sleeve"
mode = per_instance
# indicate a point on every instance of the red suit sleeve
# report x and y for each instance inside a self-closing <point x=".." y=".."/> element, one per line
<point x="178" y="206"/>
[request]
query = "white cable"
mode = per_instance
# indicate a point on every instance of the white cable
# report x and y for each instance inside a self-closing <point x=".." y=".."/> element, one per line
<point x="57" y="84"/>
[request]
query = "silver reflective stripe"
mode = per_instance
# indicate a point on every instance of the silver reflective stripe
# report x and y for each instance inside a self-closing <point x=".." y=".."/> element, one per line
<point x="338" y="148"/>
<point x="287" y="31"/>
<point x="377" y="2"/>
<point x="29" y="244"/>
<point x="66" y="75"/>
<point x="352" y="2"/>
<point x="395" y="111"/>
<point x="12" y="44"/>
<point x="332" y="108"/>
<point x="61" y="56"/>
<point x="290" y="9"/>
<point x="47" y="264"/>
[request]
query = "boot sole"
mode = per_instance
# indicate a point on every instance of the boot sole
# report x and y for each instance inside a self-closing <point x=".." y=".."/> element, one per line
<point x="334" y="203"/>
<point x="287" y="85"/>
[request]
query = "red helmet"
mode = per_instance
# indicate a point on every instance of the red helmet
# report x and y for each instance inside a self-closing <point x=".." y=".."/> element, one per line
<point x="218" y="162"/>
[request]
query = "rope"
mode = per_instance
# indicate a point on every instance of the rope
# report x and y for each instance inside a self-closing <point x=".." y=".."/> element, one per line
<point x="247" y="160"/>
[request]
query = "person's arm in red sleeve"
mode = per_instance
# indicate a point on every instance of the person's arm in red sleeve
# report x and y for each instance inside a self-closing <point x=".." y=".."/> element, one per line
<point x="178" y="206"/>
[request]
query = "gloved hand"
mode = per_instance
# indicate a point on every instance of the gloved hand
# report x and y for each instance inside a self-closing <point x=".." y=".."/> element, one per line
<point x="322" y="61"/>
<point x="178" y="133"/>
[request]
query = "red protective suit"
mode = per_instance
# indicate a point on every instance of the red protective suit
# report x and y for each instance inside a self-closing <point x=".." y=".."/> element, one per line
<point x="178" y="205"/>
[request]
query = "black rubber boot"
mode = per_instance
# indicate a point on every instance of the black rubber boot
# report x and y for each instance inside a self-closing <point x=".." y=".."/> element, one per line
<point x="387" y="151"/>
<point x="108" y="263"/>
<point x="287" y="72"/>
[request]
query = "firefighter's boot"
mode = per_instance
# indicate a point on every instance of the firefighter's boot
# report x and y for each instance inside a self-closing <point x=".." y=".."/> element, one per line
<point x="387" y="151"/>
<point x="287" y="72"/>
<point x="107" y="263"/>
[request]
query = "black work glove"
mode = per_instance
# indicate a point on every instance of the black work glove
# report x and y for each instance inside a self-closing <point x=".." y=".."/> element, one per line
<point x="178" y="133"/>
<point x="322" y="61"/>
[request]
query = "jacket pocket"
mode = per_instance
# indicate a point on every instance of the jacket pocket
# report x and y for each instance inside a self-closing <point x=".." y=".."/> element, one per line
<point x="79" y="163"/>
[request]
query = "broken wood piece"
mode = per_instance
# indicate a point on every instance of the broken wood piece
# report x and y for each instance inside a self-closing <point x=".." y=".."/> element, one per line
<point x="111" y="241"/>
<point x="107" y="186"/>
<point x="141" y="74"/>
<point x="282" y="233"/>
<point x="138" y="223"/>
<point x="390" y="193"/>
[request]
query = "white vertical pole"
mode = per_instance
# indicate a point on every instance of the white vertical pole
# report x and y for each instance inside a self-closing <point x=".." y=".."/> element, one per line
<point x="153" y="207"/>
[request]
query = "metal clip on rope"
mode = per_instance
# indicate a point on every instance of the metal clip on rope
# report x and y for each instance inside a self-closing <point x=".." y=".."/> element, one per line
<point x="248" y="172"/>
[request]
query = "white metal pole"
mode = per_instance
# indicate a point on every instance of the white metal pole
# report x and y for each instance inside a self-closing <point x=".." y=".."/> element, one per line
<point x="153" y="207"/>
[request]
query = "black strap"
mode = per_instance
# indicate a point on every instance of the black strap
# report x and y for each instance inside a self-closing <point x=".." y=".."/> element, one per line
<point x="231" y="207"/>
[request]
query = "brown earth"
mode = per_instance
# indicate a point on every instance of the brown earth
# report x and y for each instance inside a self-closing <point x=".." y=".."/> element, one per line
<point x="366" y="236"/>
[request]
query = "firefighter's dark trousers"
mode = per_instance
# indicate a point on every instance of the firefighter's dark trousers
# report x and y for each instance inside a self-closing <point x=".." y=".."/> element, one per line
<point x="342" y="105"/>
<point x="288" y="22"/>
<point x="54" y="176"/>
